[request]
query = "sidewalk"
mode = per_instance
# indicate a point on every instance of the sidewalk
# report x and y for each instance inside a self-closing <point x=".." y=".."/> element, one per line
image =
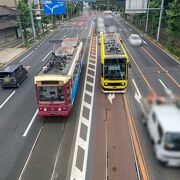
<point x="10" y="50"/>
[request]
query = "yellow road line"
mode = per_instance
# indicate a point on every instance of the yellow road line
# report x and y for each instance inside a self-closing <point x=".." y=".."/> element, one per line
<point x="149" y="86"/>
<point x="161" y="67"/>
<point x="138" y="152"/>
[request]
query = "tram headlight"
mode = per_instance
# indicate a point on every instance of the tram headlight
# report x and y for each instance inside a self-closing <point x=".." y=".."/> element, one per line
<point x="105" y="84"/>
<point x="45" y="109"/>
<point x="123" y="84"/>
<point x="59" y="109"/>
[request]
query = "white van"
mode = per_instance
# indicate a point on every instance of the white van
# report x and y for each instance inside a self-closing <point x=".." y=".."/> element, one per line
<point x="163" y="124"/>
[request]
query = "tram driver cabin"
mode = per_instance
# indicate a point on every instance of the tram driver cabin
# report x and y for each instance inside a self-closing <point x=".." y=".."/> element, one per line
<point x="57" y="82"/>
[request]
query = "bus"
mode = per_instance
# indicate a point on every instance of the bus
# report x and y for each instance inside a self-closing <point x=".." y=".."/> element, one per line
<point x="57" y="82"/>
<point x="114" y="63"/>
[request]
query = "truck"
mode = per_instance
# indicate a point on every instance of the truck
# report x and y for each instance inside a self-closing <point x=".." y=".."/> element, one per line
<point x="161" y="115"/>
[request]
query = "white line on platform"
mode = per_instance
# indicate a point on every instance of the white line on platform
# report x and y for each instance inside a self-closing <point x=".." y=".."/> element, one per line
<point x="7" y="99"/>
<point x="46" y="56"/>
<point x="162" y="83"/>
<point x="30" y="124"/>
<point x="26" y="56"/>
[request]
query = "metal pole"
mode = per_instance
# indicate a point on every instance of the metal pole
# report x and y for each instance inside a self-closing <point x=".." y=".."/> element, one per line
<point x="147" y="18"/>
<point x="32" y="19"/>
<point x="160" y="17"/>
<point x="19" y="21"/>
<point x="67" y="14"/>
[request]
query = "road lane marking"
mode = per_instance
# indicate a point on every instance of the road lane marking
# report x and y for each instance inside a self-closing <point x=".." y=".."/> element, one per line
<point x="137" y="93"/>
<point x="147" y="83"/>
<point x="27" y="161"/>
<point x="63" y="37"/>
<point x="80" y="157"/>
<point x="135" y="141"/>
<point x="7" y="99"/>
<point x="161" y="67"/>
<point x="155" y="43"/>
<point x="30" y="124"/>
<point x="46" y="55"/>
<point x="144" y="41"/>
<point x="26" y="56"/>
<point x="162" y="83"/>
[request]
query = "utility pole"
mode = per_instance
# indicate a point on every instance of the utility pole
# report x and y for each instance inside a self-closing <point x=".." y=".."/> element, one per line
<point x="19" y="21"/>
<point x="160" y="18"/>
<point x="147" y="17"/>
<point x="32" y="19"/>
<point x="67" y="13"/>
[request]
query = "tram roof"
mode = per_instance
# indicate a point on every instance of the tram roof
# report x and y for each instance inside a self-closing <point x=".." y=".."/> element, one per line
<point x="112" y="45"/>
<point x="62" y="61"/>
<point x="41" y="78"/>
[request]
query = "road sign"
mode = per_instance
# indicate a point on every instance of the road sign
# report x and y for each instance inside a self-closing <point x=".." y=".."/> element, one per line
<point x="54" y="6"/>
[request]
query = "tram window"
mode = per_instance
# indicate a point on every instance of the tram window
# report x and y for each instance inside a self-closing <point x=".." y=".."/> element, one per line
<point x="60" y="94"/>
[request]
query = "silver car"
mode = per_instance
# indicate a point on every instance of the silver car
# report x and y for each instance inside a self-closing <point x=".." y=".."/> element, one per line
<point x="135" y="40"/>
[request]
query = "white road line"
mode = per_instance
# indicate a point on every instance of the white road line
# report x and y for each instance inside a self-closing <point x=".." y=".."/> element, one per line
<point x="136" y="87"/>
<point x="7" y="99"/>
<point x="46" y="56"/>
<point x="30" y="124"/>
<point x="86" y="27"/>
<point x="130" y="29"/>
<point x="35" y="48"/>
<point x="26" y="56"/>
<point x="125" y="29"/>
<point x="64" y="37"/>
<point x="162" y="83"/>
<point x="75" y="172"/>
<point x="20" y="177"/>
<point x="144" y="41"/>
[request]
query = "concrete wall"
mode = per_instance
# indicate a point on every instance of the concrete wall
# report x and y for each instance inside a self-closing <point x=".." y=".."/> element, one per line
<point x="7" y="35"/>
<point x="9" y="3"/>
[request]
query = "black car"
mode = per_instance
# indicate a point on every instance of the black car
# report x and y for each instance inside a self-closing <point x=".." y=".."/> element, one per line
<point x="12" y="75"/>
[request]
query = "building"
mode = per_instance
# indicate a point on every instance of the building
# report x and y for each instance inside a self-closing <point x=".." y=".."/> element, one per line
<point x="8" y="24"/>
<point x="9" y="3"/>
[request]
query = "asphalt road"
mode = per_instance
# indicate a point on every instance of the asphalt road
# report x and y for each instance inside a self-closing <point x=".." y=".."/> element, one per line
<point x="151" y="68"/>
<point x="159" y="71"/>
<point x="20" y="107"/>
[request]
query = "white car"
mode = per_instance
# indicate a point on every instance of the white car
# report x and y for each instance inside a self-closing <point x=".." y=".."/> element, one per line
<point x="135" y="40"/>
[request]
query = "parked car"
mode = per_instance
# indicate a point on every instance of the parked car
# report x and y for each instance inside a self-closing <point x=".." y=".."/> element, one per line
<point x="12" y="75"/>
<point x="135" y="40"/>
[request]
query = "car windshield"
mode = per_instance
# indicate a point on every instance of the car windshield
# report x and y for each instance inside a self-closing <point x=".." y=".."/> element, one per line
<point x="51" y="93"/>
<point x="115" y="69"/>
<point x="135" y="37"/>
<point x="172" y="141"/>
<point x="5" y="74"/>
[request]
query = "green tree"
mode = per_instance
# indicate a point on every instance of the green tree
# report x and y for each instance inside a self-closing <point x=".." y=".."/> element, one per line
<point x="172" y="20"/>
<point x="154" y="15"/>
<point x="24" y="14"/>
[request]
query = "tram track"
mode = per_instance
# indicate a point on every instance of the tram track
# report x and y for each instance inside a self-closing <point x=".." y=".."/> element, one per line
<point x="42" y="160"/>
